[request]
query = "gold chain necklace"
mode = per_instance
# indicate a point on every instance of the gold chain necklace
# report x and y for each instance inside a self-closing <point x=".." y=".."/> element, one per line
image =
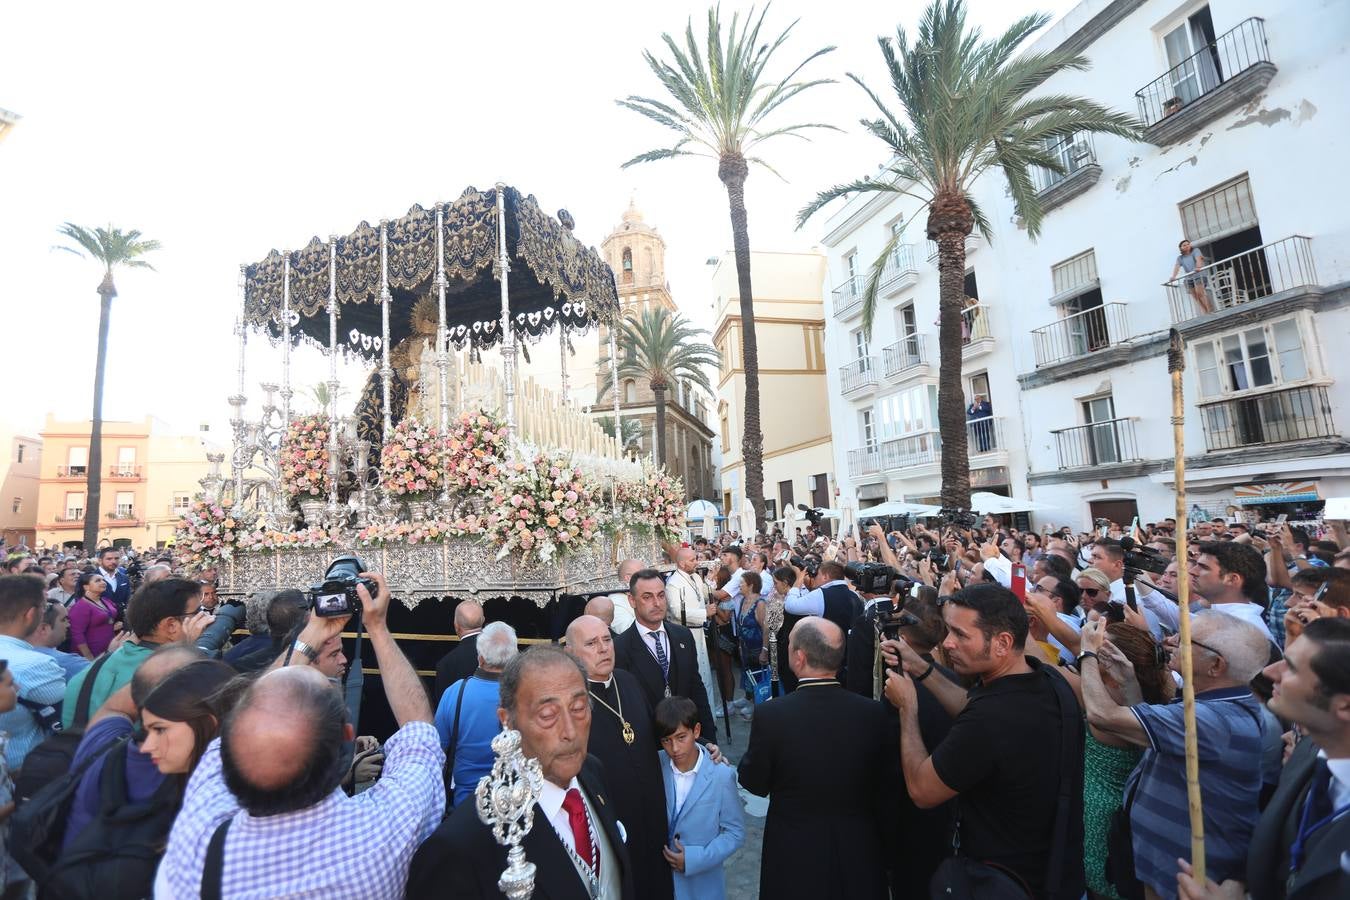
<point x="628" y="734"/>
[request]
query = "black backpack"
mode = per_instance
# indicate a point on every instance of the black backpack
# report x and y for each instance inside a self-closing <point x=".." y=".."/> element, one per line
<point x="116" y="854"/>
<point x="51" y="759"/>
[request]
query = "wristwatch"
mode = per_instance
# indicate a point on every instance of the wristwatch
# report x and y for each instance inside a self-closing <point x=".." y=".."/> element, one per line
<point x="309" y="652"/>
<point x="1086" y="654"/>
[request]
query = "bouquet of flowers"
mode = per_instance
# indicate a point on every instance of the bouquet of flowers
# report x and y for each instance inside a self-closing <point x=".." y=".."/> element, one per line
<point x="304" y="458"/>
<point x="412" y="463"/>
<point x="313" y="538"/>
<point x="210" y="530"/>
<point x="663" y="503"/>
<point x="430" y="532"/>
<point x="475" y="451"/>
<point x="543" y="508"/>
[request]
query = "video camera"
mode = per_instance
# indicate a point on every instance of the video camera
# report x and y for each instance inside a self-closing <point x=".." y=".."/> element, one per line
<point x="1139" y="558"/>
<point x="337" y="595"/>
<point x="814" y="516"/>
<point x="888" y="619"/>
<point x="873" y="578"/>
<point x="808" y="564"/>
<point x="957" y="517"/>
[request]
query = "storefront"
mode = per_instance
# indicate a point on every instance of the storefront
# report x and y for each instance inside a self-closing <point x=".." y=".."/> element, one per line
<point x="1296" y="501"/>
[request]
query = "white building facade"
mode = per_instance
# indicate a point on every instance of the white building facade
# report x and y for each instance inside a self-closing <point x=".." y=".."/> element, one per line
<point x="1246" y="121"/>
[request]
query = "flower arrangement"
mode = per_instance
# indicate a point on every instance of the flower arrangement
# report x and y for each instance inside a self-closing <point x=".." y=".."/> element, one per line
<point x="475" y="451"/>
<point x="210" y="530"/>
<point x="434" y="531"/>
<point x="412" y="462"/>
<point x="654" y="502"/>
<point x="542" y="508"/>
<point x="313" y="538"/>
<point x="304" y="458"/>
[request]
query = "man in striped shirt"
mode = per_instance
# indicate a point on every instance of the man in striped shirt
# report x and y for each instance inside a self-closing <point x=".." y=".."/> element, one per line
<point x="1227" y="654"/>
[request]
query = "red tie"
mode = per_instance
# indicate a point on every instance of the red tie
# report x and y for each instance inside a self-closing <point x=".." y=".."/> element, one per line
<point x="581" y="832"/>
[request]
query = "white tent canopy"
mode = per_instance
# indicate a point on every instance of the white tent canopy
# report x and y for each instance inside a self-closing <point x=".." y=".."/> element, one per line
<point x="897" y="508"/>
<point x="701" y="508"/>
<point x="986" y="503"/>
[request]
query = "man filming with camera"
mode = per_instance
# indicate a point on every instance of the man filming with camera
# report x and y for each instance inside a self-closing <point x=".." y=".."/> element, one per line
<point x="264" y="814"/>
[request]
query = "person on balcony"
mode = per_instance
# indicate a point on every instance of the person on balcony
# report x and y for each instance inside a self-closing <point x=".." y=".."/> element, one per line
<point x="1190" y="261"/>
<point x="979" y="417"/>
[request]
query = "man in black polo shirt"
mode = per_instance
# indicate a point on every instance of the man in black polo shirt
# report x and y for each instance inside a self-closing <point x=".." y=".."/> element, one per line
<point x="1003" y="757"/>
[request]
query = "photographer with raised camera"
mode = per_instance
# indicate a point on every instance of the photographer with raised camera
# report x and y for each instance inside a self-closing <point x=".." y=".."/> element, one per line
<point x="831" y="599"/>
<point x="265" y="814"/>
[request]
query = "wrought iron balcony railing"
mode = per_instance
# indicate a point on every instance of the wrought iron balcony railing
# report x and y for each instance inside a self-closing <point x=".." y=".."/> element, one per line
<point x="1082" y="333"/>
<point x="1073" y="153"/>
<point x="859" y="374"/>
<point x="848" y="297"/>
<point x="1096" y="444"/>
<point x="1269" y="269"/>
<point x="1277" y="417"/>
<point x="1204" y="71"/>
<point x="907" y="353"/>
<point x="900" y="270"/>
<point x="863" y="461"/>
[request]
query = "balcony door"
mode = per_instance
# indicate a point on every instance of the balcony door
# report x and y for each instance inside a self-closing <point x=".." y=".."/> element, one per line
<point x="1099" y="414"/>
<point x="860" y="351"/>
<point x="1192" y="73"/>
<point x="1087" y="323"/>
<point x="907" y="324"/>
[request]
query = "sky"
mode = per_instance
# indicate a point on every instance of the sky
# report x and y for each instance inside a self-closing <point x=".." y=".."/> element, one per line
<point x="227" y="130"/>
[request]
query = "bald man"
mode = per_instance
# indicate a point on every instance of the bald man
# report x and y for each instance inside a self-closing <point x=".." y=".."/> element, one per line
<point x="623" y="737"/>
<point x="601" y="608"/>
<point x="623" y="607"/>
<point x="267" y="796"/>
<point x="687" y="602"/>
<point x="809" y="851"/>
<point x="462" y="660"/>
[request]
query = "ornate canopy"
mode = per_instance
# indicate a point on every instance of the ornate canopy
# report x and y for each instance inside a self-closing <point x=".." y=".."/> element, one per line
<point x="553" y="278"/>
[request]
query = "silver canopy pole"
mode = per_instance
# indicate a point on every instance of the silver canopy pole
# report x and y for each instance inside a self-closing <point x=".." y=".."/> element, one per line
<point x="239" y="458"/>
<point x="386" y="373"/>
<point x="286" y="391"/>
<point x="562" y="353"/>
<point x="332" y="378"/>
<point x="442" y="354"/>
<point x="508" y="338"/>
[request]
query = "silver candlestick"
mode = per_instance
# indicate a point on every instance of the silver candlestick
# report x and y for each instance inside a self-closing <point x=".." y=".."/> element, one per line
<point x="505" y="799"/>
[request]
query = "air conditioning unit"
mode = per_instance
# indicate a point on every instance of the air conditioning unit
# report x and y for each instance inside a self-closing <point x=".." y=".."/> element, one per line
<point x="811" y="483"/>
<point x="1080" y="154"/>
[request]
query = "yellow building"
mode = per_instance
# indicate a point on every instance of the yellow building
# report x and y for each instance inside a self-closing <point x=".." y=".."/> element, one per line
<point x="149" y="478"/>
<point x="19" y="473"/>
<point x="794" y="414"/>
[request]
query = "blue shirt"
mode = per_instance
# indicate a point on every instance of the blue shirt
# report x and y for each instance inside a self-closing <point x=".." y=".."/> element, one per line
<point x="71" y="664"/>
<point x="1230" y="730"/>
<point x="478" y="725"/>
<point x="40" y="680"/>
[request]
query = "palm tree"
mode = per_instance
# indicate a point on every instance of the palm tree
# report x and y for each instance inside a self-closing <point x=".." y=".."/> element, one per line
<point x="110" y="247"/>
<point x="319" y="394"/>
<point x="664" y="349"/>
<point x="967" y="109"/>
<point x="632" y="430"/>
<point x="720" y="103"/>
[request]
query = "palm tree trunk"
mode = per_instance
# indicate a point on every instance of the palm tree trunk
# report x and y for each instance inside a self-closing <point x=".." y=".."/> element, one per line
<point x="94" y="474"/>
<point x="732" y="170"/>
<point x="660" y="391"/>
<point x="948" y="223"/>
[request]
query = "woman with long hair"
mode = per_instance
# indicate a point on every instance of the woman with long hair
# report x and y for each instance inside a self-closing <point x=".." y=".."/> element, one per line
<point x="182" y="715"/>
<point x="93" y="617"/>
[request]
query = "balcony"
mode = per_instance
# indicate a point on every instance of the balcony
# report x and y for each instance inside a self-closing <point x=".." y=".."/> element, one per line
<point x="1078" y="156"/>
<point x="1277" y="417"/>
<point x="848" y="298"/>
<point x="977" y="337"/>
<point x="985" y="436"/>
<point x="1220" y="77"/>
<point x="972" y="244"/>
<point x="907" y="358"/>
<point x="122" y="472"/>
<point x="863" y="462"/>
<point x="899" y="273"/>
<point x="1080" y="334"/>
<point x="911" y="451"/>
<point x="71" y="516"/>
<point x="858" y="377"/>
<point x="72" y="471"/>
<point x="1108" y="442"/>
<point x="1269" y="270"/>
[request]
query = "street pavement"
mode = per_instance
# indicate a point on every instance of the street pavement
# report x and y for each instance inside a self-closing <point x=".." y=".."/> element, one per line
<point x="742" y="869"/>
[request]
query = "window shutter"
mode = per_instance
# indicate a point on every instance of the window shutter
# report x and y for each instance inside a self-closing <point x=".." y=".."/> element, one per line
<point x="1076" y="274"/>
<point x="1225" y="210"/>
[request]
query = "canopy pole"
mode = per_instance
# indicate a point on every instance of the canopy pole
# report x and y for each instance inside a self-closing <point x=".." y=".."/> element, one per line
<point x="1176" y="364"/>
<point x="508" y="338"/>
<point x="237" y="401"/>
<point x="614" y="385"/>
<point x="286" y="392"/>
<point x="442" y="356"/>
<point x="332" y="379"/>
<point x="562" y="342"/>
<point x="386" y="372"/>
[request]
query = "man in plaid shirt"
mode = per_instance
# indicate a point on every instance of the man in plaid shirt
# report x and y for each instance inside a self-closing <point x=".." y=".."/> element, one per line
<point x="273" y="776"/>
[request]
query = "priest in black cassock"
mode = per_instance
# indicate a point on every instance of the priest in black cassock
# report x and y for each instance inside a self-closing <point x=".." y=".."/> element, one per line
<point x="623" y="738"/>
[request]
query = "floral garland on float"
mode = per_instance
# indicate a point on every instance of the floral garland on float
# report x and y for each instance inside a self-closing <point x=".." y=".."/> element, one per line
<point x="412" y="461"/>
<point x="304" y="458"/>
<point x="313" y="538"/>
<point x="543" y="508"/>
<point x="475" y="451"/>
<point x="210" y="530"/>
<point x="653" y="503"/>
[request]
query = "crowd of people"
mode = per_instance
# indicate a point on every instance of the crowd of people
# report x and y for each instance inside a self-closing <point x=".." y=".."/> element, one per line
<point x="967" y="710"/>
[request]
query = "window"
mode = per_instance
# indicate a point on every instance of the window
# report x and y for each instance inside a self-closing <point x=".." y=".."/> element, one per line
<point x="978" y="386"/>
<point x="771" y="510"/>
<point x="182" y="501"/>
<point x="1099" y="414"/>
<point x="627" y="265"/>
<point x="124" y="503"/>
<point x="895" y="228"/>
<point x="860" y="350"/>
<point x="74" y="506"/>
<point x="1192" y="73"/>
<point x="20" y="459"/>
<point x="726" y="436"/>
<point x="1223" y="211"/>
<point x="77" y="460"/>
<point x="1075" y="275"/>
<point x="972" y="288"/>
<point x="18" y="504"/>
<point x="868" y="428"/>
<point x="630" y="391"/>
<point x="1253" y="358"/>
<point x="908" y="412"/>
<point x="906" y="322"/>
<point x="785" y="494"/>
<point x="851" y="265"/>
<point x="126" y="460"/>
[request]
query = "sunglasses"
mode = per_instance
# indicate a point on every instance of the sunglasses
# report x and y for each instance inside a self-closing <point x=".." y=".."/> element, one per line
<point x="1091" y="592"/>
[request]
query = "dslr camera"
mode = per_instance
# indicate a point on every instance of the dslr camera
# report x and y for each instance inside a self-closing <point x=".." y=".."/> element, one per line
<point x="1139" y="558"/>
<point x="337" y="595"/>
<point x="873" y="578"/>
<point x="888" y="619"/>
<point x="809" y="564"/>
<point x="957" y="517"/>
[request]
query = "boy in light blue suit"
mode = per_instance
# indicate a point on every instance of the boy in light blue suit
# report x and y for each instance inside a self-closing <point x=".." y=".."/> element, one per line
<point x="703" y="807"/>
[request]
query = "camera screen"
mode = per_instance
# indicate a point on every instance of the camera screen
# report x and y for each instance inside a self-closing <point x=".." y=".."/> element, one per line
<point x="330" y="603"/>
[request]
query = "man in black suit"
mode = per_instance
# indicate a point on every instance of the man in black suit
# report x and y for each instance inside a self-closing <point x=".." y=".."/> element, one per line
<point x="821" y="756"/>
<point x="576" y="842"/>
<point x="661" y="654"/>
<point x="624" y="740"/>
<point x="462" y="661"/>
<point x="1293" y="856"/>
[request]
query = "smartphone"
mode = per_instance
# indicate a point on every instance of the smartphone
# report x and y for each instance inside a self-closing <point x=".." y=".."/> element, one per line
<point x="1019" y="581"/>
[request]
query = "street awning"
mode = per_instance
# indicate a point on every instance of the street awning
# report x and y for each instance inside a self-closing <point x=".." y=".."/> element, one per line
<point x="1276" y="492"/>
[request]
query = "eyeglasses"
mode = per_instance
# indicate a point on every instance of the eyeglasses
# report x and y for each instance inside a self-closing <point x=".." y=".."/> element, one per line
<point x="1091" y="592"/>
<point x="1217" y="653"/>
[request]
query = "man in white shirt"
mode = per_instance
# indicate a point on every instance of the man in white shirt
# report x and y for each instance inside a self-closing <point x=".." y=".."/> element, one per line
<point x="1229" y="575"/>
<point x="623" y="609"/>
<point x="731" y="559"/>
